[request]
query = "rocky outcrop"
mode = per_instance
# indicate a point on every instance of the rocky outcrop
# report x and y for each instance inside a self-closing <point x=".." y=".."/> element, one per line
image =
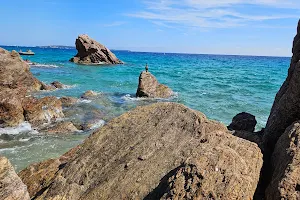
<point x="15" y="73"/>
<point x="92" y="52"/>
<point x="151" y="88"/>
<point x="40" y="175"/>
<point x="285" y="183"/>
<point x="285" y="109"/>
<point x="40" y="111"/>
<point x="158" y="151"/>
<point x="243" y="122"/>
<point x="11" y="110"/>
<point x="58" y="85"/>
<point x="255" y="137"/>
<point x="89" y="94"/>
<point x="11" y="186"/>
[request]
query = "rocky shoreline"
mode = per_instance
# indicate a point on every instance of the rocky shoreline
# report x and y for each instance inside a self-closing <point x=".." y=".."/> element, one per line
<point x="160" y="151"/>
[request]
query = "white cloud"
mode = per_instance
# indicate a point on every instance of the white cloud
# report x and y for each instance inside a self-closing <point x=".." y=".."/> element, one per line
<point x="116" y="23"/>
<point x="215" y="13"/>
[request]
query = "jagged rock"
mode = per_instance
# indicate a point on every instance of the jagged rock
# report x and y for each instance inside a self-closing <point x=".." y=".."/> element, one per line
<point x="57" y="85"/>
<point x="285" y="183"/>
<point x="11" y="186"/>
<point x="134" y="155"/>
<point x="92" y="52"/>
<point x="40" y="175"/>
<point x="64" y="128"/>
<point x="15" y="73"/>
<point x="11" y="110"/>
<point x="150" y="87"/>
<point x="89" y="94"/>
<point x="40" y="111"/>
<point x="68" y="101"/>
<point x="286" y="108"/>
<point x="47" y="87"/>
<point x="243" y="122"/>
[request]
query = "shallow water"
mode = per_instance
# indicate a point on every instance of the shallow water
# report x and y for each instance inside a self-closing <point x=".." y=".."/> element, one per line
<point x="219" y="86"/>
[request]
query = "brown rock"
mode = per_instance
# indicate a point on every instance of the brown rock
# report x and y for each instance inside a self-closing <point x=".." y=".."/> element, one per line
<point x="14" y="72"/>
<point x="11" y="110"/>
<point x="149" y="87"/>
<point x="285" y="109"/>
<point x="92" y="52"/>
<point x="89" y="94"/>
<point x="65" y="128"/>
<point x="134" y="155"/>
<point x="40" y="111"/>
<point x="243" y="122"/>
<point x="57" y="85"/>
<point x="47" y="87"/>
<point x="285" y="183"/>
<point x="68" y="101"/>
<point x="255" y="137"/>
<point x="40" y="175"/>
<point x="11" y="186"/>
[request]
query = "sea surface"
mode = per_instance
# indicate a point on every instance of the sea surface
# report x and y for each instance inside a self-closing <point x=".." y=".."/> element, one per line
<point x="220" y="86"/>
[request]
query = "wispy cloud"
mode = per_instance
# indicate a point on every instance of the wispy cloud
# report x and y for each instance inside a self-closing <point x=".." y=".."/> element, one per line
<point x="215" y="13"/>
<point x="116" y="23"/>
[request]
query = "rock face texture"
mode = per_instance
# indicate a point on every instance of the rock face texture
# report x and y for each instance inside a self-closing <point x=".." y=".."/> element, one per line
<point x="40" y="111"/>
<point x="161" y="151"/>
<point x="68" y="101"/>
<point x="151" y="88"/>
<point x="64" y="128"/>
<point x="285" y="183"/>
<point x="285" y="109"/>
<point x="92" y="52"/>
<point x="11" y="110"/>
<point x="14" y="72"/>
<point x="243" y="122"/>
<point x="11" y="186"/>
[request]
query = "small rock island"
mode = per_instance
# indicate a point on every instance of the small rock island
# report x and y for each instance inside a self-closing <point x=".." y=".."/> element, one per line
<point x="91" y="52"/>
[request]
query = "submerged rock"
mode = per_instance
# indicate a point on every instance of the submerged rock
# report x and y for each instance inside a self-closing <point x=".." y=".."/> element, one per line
<point x="285" y="183"/>
<point x="92" y="52"/>
<point x="40" y="111"/>
<point x="11" y="186"/>
<point x="158" y="151"/>
<point x="150" y="87"/>
<point x="61" y="128"/>
<point x="89" y="94"/>
<point x="286" y="108"/>
<point x="15" y="73"/>
<point x="68" y="101"/>
<point x="243" y="122"/>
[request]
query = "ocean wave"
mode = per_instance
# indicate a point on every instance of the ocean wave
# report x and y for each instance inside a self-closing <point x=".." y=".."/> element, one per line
<point x="97" y="125"/>
<point x="129" y="97"/>
<point x="22" y="128"/>
<point x="38" y="65"/>
<point x="84" y="101"/>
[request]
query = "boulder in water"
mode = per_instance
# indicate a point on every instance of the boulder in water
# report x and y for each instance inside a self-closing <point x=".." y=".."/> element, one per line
<point x="60" y="128"/>
<point x="92" y="52"/>
<point x="11" y="186"/>
<point x="157" y="151"/>
<point x="243" y="122"/>
<point x="57" y="85"/>
<point x="68" y="101"/>
<point x="149" y="87"/>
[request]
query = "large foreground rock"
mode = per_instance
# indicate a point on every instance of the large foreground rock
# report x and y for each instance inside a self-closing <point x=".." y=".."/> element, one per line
<point x="160" y="151"/>
<point x="14" y="72"/>
<point x="286" y="108"/>
<point x="92" y="52"/>
<point x="150" y="87"/>
<point x="285" y="183"/>
<point x="11" y="186"/>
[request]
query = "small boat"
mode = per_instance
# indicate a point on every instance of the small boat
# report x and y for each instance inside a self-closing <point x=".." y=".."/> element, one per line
<point x="27" y="53"/>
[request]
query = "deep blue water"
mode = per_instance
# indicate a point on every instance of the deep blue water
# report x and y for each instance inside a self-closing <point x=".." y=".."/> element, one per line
<point x="220" y="86"/>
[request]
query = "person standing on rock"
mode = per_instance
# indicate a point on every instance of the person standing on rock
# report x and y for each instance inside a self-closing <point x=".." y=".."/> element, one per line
<point x="146" y="68"/>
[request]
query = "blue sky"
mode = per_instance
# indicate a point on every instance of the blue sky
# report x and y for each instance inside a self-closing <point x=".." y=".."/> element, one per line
<point x="249" y="27"/>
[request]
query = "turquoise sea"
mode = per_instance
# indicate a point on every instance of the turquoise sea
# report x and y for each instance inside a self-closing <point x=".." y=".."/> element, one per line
<point x="220" y="86"/>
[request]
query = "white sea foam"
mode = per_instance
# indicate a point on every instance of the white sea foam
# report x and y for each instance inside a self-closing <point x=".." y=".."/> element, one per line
<point x="85" y="101"/>
<point x="128" y="97"/>
<point x="43" y="65"/>
<point x="22" y="128"/>
<point x="98" y="124"/>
